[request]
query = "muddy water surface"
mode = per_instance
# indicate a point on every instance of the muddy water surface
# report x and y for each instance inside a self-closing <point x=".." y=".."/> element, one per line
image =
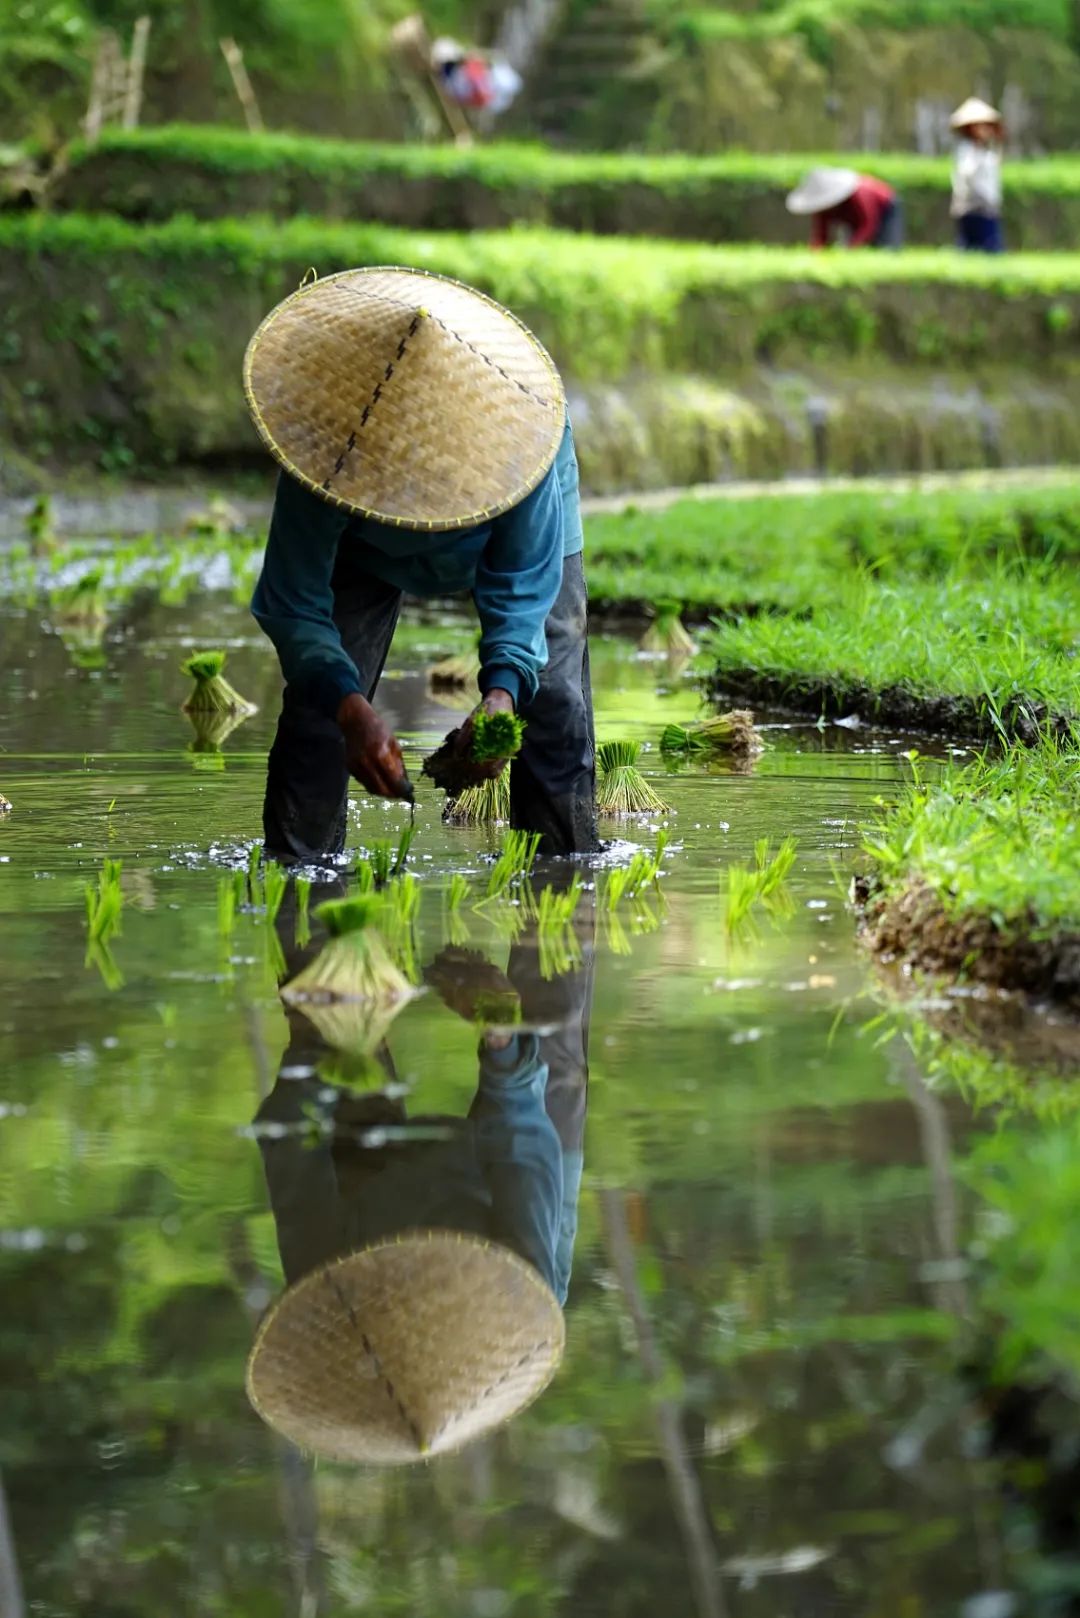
<point x="757" y="1411"/>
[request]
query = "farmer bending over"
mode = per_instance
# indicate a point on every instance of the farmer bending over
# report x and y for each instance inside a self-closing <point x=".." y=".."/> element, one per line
<point x="426" y="450"/>
<point x="856" y="208"/>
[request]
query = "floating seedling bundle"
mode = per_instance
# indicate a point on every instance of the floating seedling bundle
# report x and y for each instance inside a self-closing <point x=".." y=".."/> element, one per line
<point x="213" y="696"/>
<point x="667" y="633"/>
<point x="355" y="963"/>
<point x="5" y="805"/>
<point x="726" y="733"/>
<point x="621" y="787"/>
<point x="454" y="673"/>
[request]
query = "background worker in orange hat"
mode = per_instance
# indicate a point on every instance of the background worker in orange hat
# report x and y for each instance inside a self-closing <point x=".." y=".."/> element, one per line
<point x="426" y="450"/>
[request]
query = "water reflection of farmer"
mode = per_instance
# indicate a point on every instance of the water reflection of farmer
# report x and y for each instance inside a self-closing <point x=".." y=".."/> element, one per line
<point x="426" y="451"/>
<point x="505" y="1178"/>
<point x="854" y="208"/>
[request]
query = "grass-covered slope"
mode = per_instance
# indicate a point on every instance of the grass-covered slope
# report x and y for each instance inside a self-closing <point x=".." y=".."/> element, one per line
<point x="976" y="873"/>
<point x="976" y="652"/>
<point x="213" y="172"/>
<point x="129" y="339"/>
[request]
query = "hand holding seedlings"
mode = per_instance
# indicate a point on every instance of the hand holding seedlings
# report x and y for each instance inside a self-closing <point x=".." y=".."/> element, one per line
<point x="480" y="749"/>
<point x="372" y="751"/>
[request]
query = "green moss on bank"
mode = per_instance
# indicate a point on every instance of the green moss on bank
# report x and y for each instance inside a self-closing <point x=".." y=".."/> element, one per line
<point x="212" y="172"/>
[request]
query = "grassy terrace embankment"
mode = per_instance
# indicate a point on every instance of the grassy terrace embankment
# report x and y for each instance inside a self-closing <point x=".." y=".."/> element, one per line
<point x="124" y="343"/>
<point x="211" y="173"/>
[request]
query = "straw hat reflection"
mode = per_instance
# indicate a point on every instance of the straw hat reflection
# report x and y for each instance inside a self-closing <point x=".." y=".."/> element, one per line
<point x="406" y="1349"/>
<point x="406" y="397"/>
<point x="823" y="188"/>
<point x="974" y="111"/>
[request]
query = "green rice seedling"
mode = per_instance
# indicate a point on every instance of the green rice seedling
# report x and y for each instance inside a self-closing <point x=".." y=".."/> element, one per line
<point x="401" y="906"/>
<point x="302" y="929"/>
<point x="104" y="903"/>
<point x="485" y="804"/>
<point x="496" y="736"/>
<point x="557" y="943"/>
<point x="667" y="632"/>
<point x="385" y="860"/>
<point x="621" y="788"/>
<point x="212" y="693"/>
<point x="457" y="891"/>
<point x="275" y="884"/>
<point x="732" y="733"/>
<point x="240" y="884"/>
<point x="761" y="884"/>
<point x="253" y="863"/>
<point x="354" y="964"/>
<point x="364" y="876"/>
<point x="514" y="862"/>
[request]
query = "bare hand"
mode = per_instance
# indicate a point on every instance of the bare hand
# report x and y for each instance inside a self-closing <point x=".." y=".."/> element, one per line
<point x="372" y="750"/>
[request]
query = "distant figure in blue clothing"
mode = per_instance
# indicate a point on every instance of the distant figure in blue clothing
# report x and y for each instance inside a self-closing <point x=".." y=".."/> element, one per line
<point x="426" y="450"/>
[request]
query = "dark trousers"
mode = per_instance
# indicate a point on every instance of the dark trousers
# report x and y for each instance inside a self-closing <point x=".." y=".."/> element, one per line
<point x="980" y="233"/>
<point x="552" y="780"/>
<point x="890" y="232"/>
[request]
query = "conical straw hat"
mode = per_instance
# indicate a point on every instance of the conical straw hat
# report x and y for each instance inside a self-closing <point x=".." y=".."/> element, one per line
<point x="406" y="397"/>
<point x="823" y="188"/>
<point x="407" y="1349"/>
<point x="974" y="111"/>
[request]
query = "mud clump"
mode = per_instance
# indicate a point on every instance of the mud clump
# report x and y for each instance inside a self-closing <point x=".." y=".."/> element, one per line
<point x="915" y="928"/>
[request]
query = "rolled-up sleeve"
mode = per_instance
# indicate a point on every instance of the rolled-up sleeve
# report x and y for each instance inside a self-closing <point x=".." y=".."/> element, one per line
<point x="517" y="580"/>
<point x="294" y="598"/>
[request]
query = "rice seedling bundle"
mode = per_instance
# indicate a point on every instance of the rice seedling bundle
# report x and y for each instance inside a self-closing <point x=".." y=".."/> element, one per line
<point x="667" y="632"/>
<point x="212" y="693"/>
<point x="354" y="964"/>
<point x="495" y="739"/>
<point x="621" y="788"/>
<point x="482" y="805"/>
<point x="82" y="604"/>
<point x="733" y="733"/>
<point x="5" y="805"/>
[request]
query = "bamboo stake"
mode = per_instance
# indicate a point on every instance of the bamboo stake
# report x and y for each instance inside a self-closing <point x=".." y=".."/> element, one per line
<point x="136" y="73"/>
<point x="234" y="61"/>
<point x="102" y="84"/>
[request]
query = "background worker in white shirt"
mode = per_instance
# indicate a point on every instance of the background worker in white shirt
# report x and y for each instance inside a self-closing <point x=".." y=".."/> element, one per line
<point x="976" y="177"/>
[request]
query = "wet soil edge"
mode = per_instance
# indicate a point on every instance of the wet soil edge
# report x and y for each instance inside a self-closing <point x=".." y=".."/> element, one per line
<point x="914" y="928"/>
<point x="961" y="718"/>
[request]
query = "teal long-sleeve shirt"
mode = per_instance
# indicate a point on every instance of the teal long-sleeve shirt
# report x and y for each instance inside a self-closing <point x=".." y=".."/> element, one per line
<point x="512" y="565"/>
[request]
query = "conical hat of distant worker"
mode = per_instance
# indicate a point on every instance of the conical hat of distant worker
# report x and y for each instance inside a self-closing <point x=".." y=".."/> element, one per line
<point x="974" y="111"/>
<point x="405" y="1350"/>
<point x="406" y="397"/>
<point x="822" y="189"/>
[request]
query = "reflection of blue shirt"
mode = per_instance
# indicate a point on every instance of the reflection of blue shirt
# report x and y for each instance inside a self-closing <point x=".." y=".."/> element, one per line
<point x="502" y="1173"/>
<point x="513" y="566"/>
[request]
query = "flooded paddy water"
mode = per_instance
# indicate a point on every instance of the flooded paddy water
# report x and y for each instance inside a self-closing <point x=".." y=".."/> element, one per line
<point x="759" y="1410"/>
